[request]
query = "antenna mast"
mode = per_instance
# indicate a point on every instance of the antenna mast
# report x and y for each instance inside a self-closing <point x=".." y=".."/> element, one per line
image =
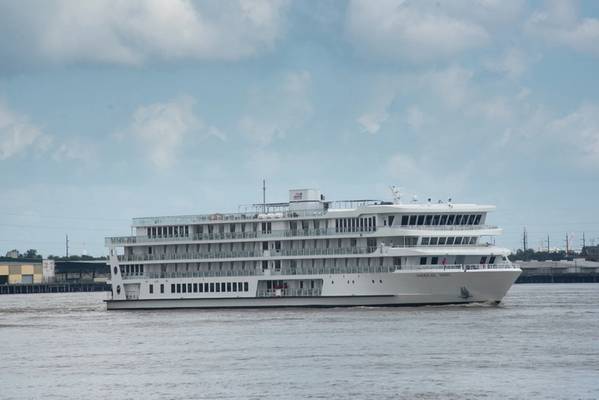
<point x="264" y="195"/>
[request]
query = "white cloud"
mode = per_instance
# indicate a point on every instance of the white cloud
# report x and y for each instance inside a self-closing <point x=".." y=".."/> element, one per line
<point x="418" y="31"/>
<point x="163" y="127"/>
<point x="560" y="24"/>
<point x="513" y="63"/>
<point x="18" y="134"/>
<point x="371" y="122"/>
<point x="452" y="85"/>
<point x="274" y="111"/>
<point x="415" y="117"/>
<point x="131" y="31"/>
<point x="579" y="129"/>
<point x="74" y="149"/>
<point x="423" y="173"/>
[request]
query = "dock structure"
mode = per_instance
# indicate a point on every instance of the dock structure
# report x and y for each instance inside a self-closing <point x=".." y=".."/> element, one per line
<point x="60" y="276"/>
<point x="55" y="287"/>
<point x="564" y="271"/>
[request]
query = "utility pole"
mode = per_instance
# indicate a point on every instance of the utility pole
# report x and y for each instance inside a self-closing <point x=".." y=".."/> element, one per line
<point x="524" y="240"/>
<point x="567" y="244"/>
<point x="548" y="244"/>
<point x="67" y="245"/>
<point x="584" y="242"/>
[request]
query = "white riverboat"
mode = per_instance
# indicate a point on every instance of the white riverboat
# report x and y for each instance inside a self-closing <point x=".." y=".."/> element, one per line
<point x="311" y="252"/>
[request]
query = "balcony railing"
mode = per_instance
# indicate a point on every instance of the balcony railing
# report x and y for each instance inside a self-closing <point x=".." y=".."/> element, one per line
<point x="352" y="269"/>
<point x="126" y="240"/>
<point x="216" y="217"/>
<point x="248" y="254"/>
<point x="117" y="240"/>
<point x="289" y="293"/>
<point x="447" y="227"/>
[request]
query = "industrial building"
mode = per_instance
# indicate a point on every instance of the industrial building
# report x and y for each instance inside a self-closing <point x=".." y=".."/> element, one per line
<point x="20" y="270"/>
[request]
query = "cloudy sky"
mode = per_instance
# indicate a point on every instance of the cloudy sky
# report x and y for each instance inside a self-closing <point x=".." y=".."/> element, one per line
<point x="116" y="109"/>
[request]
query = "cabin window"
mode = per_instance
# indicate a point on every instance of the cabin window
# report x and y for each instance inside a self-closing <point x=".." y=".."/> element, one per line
<point x="217" y="287"/>
<point x="477" y="219"/>
<point x="172" y="288"/>
<point x="434" y="260"/>
<point x="442" y="241"/>
<point x="483" y="259"/>
<point x="450" y="240"/>
<point x="450" y="219"/>
<point x="443" y="220"/>
<point x="428" y="220"/>
<point x="412" y="220"/>
<point x="425" y="241"/>
<point x="184" y="288"/>
<point x="473" y="240"/>
<point x="465" y="220"/>
<point x="228" y="286"/>
<point x="195" y="287"/>
<point x="458" y="219"/>
<point x="436" y="220"/>
<point x="423" y="260"/>
<point x="211" y="287"/>
<point x="420" y="220"/>
<point x="492" y="260"/>
<point x="178" y="288"/>
<point x="149" y="249"/>
<point x="161" y="288"/>
<point x="234" y="286"/>
<point x="151" y="288"/>
<point x="404" y="220"/>
<point x="222" y="286"/>
<point x="391" y="219"/>
<point x="471" y="219"/>
<point x="245" y="286"/>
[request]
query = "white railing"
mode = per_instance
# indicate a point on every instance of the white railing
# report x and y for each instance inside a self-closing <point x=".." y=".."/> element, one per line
<point x="355" y="269"/>
<point x="247" y="254"/>
<point x="246" y="216"/>
<point x="117" y="240"/>
<point x="447" y="227"/>
<point x="289" y="292"/>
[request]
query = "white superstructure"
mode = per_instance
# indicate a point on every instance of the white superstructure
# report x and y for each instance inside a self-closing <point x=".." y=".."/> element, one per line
<point x="312" y="252"/>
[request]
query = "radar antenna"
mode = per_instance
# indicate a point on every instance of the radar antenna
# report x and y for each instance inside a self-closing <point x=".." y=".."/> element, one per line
<point x="396" y="191"/>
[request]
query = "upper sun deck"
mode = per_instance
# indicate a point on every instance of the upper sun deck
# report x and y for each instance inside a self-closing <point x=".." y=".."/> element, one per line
<point x="309" y="203"/>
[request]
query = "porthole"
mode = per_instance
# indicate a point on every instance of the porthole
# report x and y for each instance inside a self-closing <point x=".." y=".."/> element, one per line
<point x="116" y="271"/>
<point x="348" y="281"/>
<point x="332" y="282"/>
<point x="118" y="289"/>
<point x="381" y="281"/>
<point x="353" y="282"/>
<point x="373" y="281"/>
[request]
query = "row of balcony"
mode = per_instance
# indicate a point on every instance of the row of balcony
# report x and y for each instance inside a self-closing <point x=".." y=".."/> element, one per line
<point x="195" y="219"/>
<point x="123" y="240"/>
<point x="248" y="254"/>
<point x="353" y="269"/>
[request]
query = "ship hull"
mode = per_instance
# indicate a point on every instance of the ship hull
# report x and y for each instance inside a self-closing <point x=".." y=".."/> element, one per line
<point x="352" y="290"/>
